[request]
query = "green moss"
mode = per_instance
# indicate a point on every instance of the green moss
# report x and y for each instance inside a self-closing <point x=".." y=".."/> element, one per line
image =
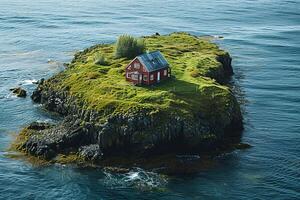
<point x="192" y="88"/>
<point x="21" y="138"/>
<point x="68" y="158"/>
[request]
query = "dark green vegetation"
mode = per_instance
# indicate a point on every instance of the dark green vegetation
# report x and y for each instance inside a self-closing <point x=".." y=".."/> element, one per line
<point x="129" y="47"/>
<point x="191" y="112"/>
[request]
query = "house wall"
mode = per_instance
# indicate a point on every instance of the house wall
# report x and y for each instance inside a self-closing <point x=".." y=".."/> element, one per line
<point x="130" y="69"/>
<point x="162" y="76"/>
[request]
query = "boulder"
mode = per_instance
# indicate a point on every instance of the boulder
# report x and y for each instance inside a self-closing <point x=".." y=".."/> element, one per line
<point x="38" y="126"/>
<point x="20" y="92"/>
<point x="91" y="152"/>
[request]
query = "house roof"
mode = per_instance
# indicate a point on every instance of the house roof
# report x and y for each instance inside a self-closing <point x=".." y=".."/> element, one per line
<point x="153" y="61"/>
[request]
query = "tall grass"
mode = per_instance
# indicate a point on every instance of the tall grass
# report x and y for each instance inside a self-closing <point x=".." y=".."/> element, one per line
<point x="99" y="59"/>
<point x="129" y="47"/>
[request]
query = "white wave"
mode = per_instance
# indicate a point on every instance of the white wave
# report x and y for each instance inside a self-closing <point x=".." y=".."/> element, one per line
<point x="218" y="37"/>
<point x="137" y="178"/>
<point x="28" y="82"/>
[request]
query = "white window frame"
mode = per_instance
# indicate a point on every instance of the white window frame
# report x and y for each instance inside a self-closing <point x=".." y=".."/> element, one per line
<point x="151" y="77"/>
<point x="135" y="77"/>
<point x="127" y="75"/>
<point x="165" y="72"/>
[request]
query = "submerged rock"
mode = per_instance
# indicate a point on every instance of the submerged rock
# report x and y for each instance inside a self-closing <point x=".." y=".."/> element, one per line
<point x="242" y="146"/>
<point x="20" y="92"/>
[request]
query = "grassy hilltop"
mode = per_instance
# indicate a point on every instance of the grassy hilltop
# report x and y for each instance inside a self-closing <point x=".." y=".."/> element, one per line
<point x="193" y="87"/>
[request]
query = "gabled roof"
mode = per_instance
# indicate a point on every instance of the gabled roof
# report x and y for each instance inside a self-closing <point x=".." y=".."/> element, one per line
<point x="153" y="61"/>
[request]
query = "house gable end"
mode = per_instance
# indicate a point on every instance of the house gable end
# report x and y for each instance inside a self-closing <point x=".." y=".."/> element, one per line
<point x="141" y="68"/>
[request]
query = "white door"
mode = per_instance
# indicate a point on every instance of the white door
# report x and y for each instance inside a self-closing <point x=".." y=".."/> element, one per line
<point x="158" y="76"/>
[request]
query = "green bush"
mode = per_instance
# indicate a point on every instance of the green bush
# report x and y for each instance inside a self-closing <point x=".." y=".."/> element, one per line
<point x="99" y="59"/>
<point x="129" y="47"/>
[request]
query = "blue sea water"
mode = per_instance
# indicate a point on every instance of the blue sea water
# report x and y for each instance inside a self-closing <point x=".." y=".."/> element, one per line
<point x="263" y="37"/>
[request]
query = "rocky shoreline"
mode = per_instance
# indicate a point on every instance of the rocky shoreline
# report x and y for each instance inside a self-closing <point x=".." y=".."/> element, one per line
<point x="141" y="133"/>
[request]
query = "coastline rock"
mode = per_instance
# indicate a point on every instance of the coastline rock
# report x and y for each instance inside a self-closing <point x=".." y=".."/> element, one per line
<point x="120" y="133"/>
<point x="226" y="62"/>
<point x="47" y="140"/>
<point x="91" y="152"/>
<point x="20" y="92"/>
<point x="38" y="126"/>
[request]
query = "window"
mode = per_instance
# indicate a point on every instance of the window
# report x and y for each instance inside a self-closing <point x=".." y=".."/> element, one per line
<point x="151" y="77"/>
<point x="137" y="65"/>
<point x="135" y="77"/>
<point x="165" y="72"/>
<point x="127" y="75"/>
<point x="145" y="78"/>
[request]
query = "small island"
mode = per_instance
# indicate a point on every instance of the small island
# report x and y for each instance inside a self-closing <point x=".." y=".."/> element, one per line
<point x="110" y="121"/>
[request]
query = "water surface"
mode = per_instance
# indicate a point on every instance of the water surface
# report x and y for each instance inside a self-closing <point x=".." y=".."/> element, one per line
<point x="263" y="37"/>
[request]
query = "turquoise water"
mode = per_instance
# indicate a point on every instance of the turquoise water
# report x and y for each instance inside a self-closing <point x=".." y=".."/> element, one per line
<point x="263" y="37"/>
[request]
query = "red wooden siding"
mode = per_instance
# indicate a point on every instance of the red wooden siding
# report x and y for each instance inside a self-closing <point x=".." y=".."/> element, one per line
<point x="163" y="76"/>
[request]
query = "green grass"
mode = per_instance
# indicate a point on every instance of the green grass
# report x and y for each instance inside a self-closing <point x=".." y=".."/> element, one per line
<point x="191" y="89"/>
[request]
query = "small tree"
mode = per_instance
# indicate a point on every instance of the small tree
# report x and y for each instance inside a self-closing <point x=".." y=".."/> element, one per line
<point x="129" y="47"/>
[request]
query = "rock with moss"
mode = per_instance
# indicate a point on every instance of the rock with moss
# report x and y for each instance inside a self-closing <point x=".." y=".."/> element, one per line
<point x="105" y="116"/>
<point x="20" y="92"/>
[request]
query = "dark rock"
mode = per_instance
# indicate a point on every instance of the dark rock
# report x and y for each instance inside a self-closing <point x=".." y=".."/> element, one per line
<point x="36" y="96"/>
<point x="39" y="126"/>
<point x="41" y="82"/>
<point x="50" y="140"/>
<point x="20" y="92"/>
<point x="91" y="152"/>
<point x="119" y="170"/>
<point x="37" y="93"/>
<point x="242" y="146"/>
<point x="226" y="62"/>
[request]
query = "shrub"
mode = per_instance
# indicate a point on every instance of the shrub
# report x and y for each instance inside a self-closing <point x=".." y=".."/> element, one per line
<point x="129" y="47"/>
<point x="99" y="59"/>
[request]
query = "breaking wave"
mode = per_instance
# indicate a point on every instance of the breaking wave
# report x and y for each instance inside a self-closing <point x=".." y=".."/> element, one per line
<point x="136" y="178"/>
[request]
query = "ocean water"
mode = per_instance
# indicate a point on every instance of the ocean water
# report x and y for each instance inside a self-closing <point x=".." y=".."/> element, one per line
<point x="263" y="37"/>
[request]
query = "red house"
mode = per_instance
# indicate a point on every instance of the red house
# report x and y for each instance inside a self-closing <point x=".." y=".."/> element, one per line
<point x="148" y="68"/>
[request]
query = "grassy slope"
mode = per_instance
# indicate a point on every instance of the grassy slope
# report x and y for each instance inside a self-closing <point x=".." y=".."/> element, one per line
<point x="190" y="91"/>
